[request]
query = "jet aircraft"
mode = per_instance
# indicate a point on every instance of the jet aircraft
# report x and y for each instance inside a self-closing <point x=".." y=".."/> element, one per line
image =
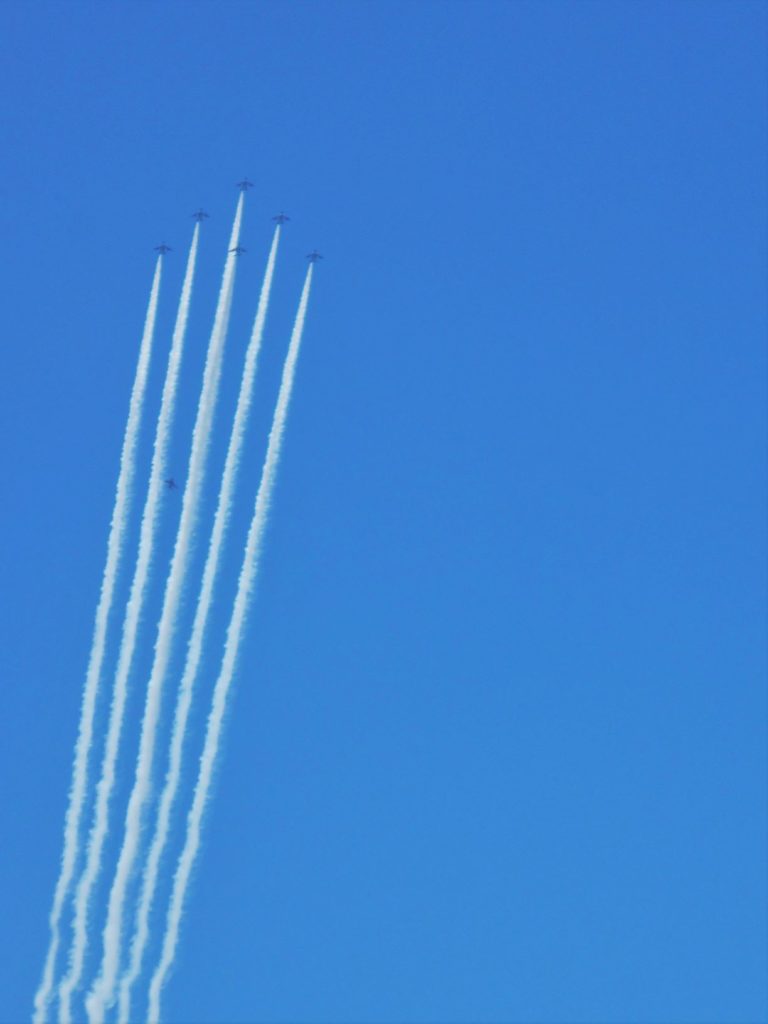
<point x="244" y="185"/>
<point x="199" y="215"/>
<point x="314" y="256"/>
<point x="172" y="485"/>
<point x="238" y="249"/>
<point x="281" y="218"/>
<point x="163" y="248"/>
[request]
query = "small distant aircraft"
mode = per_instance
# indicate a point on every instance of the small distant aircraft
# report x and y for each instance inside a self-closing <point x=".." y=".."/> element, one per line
<point x="163" y="248"/>
<point x="172" y="485"/>
<point x="244" y="185"/>
<point x="238" y="249"/>
<point x="281" y="218"/>
<point x="314" y="256"/>
<point x="199" y="215"/>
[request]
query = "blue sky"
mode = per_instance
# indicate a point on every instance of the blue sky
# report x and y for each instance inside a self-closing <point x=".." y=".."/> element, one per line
<point x="497" y="748"/>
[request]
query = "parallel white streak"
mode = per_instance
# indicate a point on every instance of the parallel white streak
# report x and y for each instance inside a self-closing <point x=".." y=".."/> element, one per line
<point x="149" y="521"/>
<point x="165" y="632"/>
<point x="77" y="793"/>
<point x="104" y="789"/>
<point x="195" y="650"/>
<point x="248" y="574"/>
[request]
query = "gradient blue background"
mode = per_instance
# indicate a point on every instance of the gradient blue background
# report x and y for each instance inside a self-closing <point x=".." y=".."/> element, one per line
<point x="497" y="750"/>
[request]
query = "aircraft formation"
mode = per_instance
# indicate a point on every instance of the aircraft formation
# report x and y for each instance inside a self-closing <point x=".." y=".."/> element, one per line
<point x="111" y="943"/>
<point x="200" y="215"/>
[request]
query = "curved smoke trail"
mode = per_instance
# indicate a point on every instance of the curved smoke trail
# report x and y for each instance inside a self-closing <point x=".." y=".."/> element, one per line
<point x="248" y="574"/>
<point x="166" y="627"/>
<point x="77" y="793"/>
<point x="194" y="654"/>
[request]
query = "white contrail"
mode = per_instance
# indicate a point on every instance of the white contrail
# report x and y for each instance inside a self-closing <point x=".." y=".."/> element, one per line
<point x="77" y="793"/>
<point x="166" y="627"/>
<point x="248" y="574"/>
<point x="148" y="530"/>
<point x="194" y="653"/>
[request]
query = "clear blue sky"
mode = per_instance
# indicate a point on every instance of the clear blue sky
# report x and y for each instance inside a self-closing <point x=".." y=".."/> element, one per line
<point x="497" y="750"/>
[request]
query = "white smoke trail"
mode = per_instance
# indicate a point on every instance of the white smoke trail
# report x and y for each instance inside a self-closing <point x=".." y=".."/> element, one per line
<point x="77" y="793"/>
<point x="166" y="627"/>
<point x="149" y="521"/>
<point x="248" y="575"/>
<point x="194" y="654"/>
<point x="106" y="782"/>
